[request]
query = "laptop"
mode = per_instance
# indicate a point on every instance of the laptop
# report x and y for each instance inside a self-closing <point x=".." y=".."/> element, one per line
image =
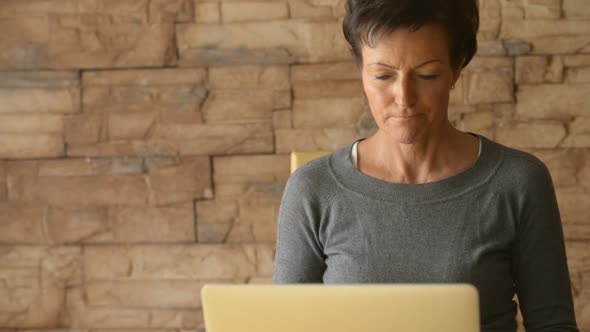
<point x="341" y="308"/>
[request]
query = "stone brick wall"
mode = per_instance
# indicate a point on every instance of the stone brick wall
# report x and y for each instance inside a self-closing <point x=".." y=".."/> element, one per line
<point x="144" y="143"/>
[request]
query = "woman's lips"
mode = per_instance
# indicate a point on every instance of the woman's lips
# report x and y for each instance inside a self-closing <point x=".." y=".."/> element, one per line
<point x="406" y="116"/>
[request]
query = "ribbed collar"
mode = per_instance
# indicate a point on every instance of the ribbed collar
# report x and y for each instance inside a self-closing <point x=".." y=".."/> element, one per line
<point x="344" y="172"/>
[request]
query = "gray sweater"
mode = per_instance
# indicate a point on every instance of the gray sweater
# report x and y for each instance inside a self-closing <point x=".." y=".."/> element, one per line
<point x="495" y="225"/>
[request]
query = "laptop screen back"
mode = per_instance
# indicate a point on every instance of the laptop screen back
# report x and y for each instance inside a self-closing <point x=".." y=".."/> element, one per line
<point x="341" y="308"/>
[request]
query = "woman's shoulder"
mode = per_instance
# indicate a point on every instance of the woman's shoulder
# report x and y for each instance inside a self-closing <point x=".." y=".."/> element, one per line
<point x="521" y="166"/>
<point x="312" y="173"/>
<point x="314" y="179"/>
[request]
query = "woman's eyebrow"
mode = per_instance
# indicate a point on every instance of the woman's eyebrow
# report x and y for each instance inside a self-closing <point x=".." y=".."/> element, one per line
<point x="392" y="67"/>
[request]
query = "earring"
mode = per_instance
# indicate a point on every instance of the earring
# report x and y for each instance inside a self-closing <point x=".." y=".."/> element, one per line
<point x="453" y="87"/>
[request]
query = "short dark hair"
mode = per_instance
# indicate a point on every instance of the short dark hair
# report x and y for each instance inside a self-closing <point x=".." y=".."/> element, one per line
<point x="367" y="20"/>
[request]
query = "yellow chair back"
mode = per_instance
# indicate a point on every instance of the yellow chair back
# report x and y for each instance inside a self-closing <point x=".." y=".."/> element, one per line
<point x="298" y="159"/>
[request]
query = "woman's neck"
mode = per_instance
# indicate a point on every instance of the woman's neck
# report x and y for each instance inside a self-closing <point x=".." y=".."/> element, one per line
<point x="432" y="158"/>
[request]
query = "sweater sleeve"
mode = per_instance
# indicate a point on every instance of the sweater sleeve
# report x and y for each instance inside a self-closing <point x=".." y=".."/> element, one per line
<point x="299" y="254"/>
<point x="539" y="262"/>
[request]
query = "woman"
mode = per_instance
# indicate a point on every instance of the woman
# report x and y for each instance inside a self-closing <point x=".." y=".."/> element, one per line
<point x="420" y="201"/>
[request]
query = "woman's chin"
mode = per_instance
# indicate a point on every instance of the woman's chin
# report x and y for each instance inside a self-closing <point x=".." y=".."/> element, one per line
<point x="404" y="135"/>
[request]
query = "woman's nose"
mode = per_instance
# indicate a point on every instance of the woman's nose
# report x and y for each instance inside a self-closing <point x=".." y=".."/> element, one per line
<point x="405" y="92"/>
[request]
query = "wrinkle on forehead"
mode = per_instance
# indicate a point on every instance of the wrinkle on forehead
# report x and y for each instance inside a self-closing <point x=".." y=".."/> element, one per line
<point x="404" y="48"/>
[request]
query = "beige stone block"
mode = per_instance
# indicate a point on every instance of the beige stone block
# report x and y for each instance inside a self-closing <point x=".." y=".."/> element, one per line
<point x="144" y="77"/>
<point x="457" y="96"/>
<point x="222" y="211"/>
<point x="77" y="225"/>
<point x="40" y="100"/>
<point x="238" y="106"/>
<point x="289" y="140"/>
<point x="253" y="11"/>
<point x="562" y="44"/>
<point x="489" y="80"/>
<point x="80" y="190"/>
<point x="578" y="75"/>
<point x="576" y="232"/>
<point x="3" y="187"/>
<point x="180" y="117"/>
<point x="325" y="72"/>
<point x="73" y="167"/>
<point x="251" y="169"/>
<point x="557" y="101"/>
<point x="456" y="111"/>
<point x="259" y="208"/>
<point x="482" y="123"/>
<point x="512" y="12"/>
<point x="169" y="224"/>
<point x="573" y="203"/>
<point x="311" y="9"/>
<point x="77" y="314"/>
<point x="186" y="180"/>
<point x="250" y="219"/>
<point x="33" y="279"/>
<point x="549" y="36"/>
<point x="212" y="233"/>
<point x="24" y="42"/>
<point x="547" y="134"/>
<point x="16" y="8"/>
<point x="25" y="146"/>
<point x="261" y="43"/>
<point x="145" y="294"/>
<point x="123" y="98"/>
<point x="584" y="173"/>
<point x="576" y="9"/>
<point x="539" y="69"/>
<point x="563" y="164"/>
<point x="580" y="60"/>
<point x="250" y="77"/>
<point x="328" y="112"/>
<point x="31" y="123"/>
<point x="119" y="11"/>
<point x="579" y="133"/>
<point x="172" y="262"/>
<point x="84" y="128"/>
<point x="196" y="139"/>
<point x="95" y="35"/>
<point x="207" y="12"/>
<point x="490" y="19"/>
<point x="130" y="125"/>
<point x="123" y="149"/>
<point x="266" y="260"/>
<point x="282" y="119"/>
<point x="39" y="79"/>
<point x="531" y="9"/>
<point x="22" y="223"/>
<point x="171" y="11"/>
<point x="490" y="48"/>
<point x="26" y="168"/>
<point x="251" y="233"/>
<point x="328" y="89"/>
<point x="95" y="42"/>
<point x="577" y="255"/>
<point x="260" y="281"/>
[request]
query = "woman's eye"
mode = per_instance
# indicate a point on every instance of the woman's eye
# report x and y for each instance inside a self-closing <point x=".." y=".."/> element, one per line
<point x="382" y="77"/>
<point x="428" y="77"/>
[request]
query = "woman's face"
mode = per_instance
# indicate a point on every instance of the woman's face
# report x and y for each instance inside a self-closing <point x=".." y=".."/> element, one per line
<point x="407" y="78"/>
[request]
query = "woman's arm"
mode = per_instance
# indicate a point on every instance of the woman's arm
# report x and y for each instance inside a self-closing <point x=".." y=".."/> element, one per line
<point x="539" y="262"/>
<point x="299" y="253"/>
